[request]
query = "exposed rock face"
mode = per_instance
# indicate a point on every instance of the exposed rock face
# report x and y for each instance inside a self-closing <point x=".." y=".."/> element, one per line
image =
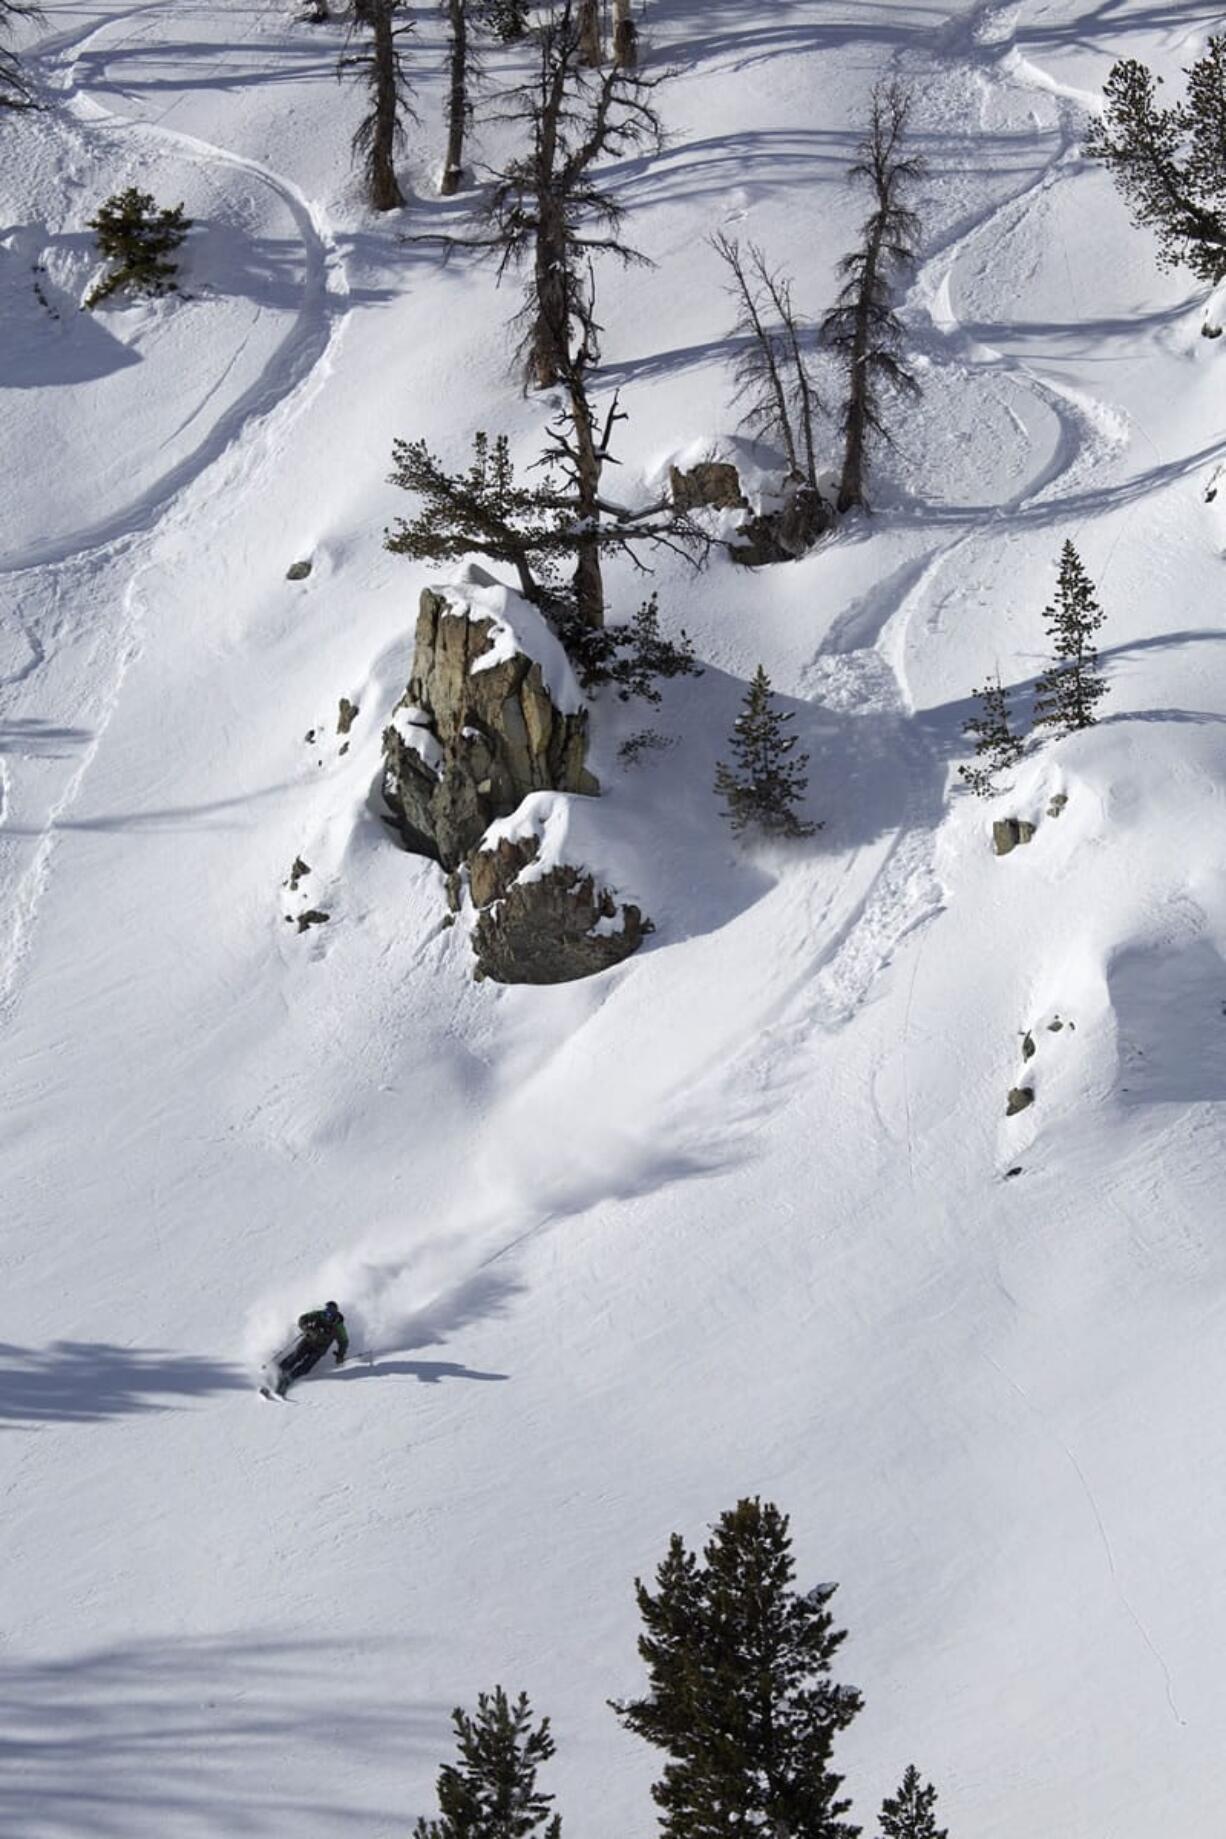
<point x="470" y="744"/>
<point x="1008" y="832"/>
<point x="551" y="930"/>
<point x="715" y="483"/>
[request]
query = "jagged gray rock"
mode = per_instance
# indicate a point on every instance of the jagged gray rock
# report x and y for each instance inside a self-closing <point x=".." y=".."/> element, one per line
<point x="1019" y="1098"/>
<point x="488" y="737"/>
<point x="544" y="931"/>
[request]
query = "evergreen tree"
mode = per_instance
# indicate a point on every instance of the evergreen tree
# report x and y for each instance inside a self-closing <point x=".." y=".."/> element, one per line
<point x="491" y="1792"/>
<point x="996" y="744"/>
<point x="909" y="1813"/>
<point x="140" y="239"/>
<point x="507" y="19"/>
<point x="740" y="1698"/>
<point x="766" y="784"/>
<point x="380" y="65"/>
<point x="15" y="89"/>
<point x="632" y="657"/>
<point x="1170" y="163"/>
<point x="1066" y="694"/>
<point x="863" y="327"/>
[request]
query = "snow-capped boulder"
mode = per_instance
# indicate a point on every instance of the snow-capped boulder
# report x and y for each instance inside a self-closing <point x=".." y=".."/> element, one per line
<point x="492" y="713"/>
<point x="541" y="918"/>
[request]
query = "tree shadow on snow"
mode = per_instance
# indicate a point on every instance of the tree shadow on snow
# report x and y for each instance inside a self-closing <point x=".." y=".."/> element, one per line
<point x="83" y="1382"/>
<point x="202" y="1736"/>
<point x="33" y="738"/>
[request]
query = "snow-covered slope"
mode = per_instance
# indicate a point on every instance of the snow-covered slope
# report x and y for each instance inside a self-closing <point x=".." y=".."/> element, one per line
<point x="735" y="1218"/>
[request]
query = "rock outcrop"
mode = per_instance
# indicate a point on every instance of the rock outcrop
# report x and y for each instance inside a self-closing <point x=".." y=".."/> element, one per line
<point x="1009" y="832"/>
<point x="551" y="928"/>
<point x="779" y="535"/>
<point x="476" y="731"/>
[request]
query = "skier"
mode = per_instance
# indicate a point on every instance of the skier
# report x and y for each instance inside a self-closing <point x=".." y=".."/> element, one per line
<point x="319" y="1329"/>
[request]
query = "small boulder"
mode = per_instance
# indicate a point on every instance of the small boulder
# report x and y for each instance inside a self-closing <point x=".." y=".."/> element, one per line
<point x="312" y="917"/>
<point x="1057" y="804"/>
<point x="1018" y="1100"/>
<point x="1009" y="832"/>
<point x="1028" y="1048"/>
<point x="347" y="715"/>
<point x="713" y="484"/>
<point x="297" y="571"/>
<point x="296" y="873"/>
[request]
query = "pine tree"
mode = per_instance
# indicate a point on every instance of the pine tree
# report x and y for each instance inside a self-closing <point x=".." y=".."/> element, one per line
<point x="766" y="784"/>
<point x="15" y="88"/>
<point x="507" y="19"/>
<point x="491" y="1793"/>
<point x="909" y="1813"/>
<point x="140" y="239"/>
<point x="1170" y="163"/>
<point x="996" y="744"/>
<point x="380" y="64"/>
<point x="1066" y="694"/>
<point x="632" y="657"/>
<point x="740" y="1699"/>
<point x="862" y="326"/>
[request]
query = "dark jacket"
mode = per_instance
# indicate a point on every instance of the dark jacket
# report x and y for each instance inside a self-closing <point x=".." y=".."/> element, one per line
<point x="320" y="1332"/>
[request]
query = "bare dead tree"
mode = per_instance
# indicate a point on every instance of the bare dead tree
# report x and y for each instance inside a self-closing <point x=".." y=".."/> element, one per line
<point x="548" y="213"/>
<point x="379" y="63"/>
<point x="862" y="327"/>
<point x="773" y="371"/>
<point x="16" y="90"/>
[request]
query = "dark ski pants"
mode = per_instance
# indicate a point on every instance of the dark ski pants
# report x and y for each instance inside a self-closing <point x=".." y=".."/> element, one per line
<point x="306" y="1355"/>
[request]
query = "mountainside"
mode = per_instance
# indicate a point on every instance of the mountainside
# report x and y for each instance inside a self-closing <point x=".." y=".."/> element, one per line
<point x="744" y="1214"/>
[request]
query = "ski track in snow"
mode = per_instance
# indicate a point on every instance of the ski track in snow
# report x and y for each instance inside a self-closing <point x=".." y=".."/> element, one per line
<point x="242" y="435"/>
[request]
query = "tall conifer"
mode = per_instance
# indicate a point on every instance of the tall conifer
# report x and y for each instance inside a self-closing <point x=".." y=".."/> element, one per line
<point x="740" y="1697"/>
<point x="909" y="1813"/>
<point x="491" y="1792"/>
<point x="1066" y="694"/>
<point x="767" y="782"/>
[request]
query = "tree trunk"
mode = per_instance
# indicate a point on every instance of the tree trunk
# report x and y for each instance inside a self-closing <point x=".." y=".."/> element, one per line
<point x="625" y="36"/>
<point x="589" y="575"/>
<point x="549" y="334"/>
<point x="457" y="99"/>
<point x="385" y="192"/>
<point x="851" y="482"/>
<point x="589" y="34"/>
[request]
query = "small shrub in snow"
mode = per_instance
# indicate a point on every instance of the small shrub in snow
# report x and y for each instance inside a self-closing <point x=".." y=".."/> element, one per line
<point x="1066" y="694"/>
<point x="909" y="1813"/>
<point x="996" y="745"/>
<point x="631" y="657"/>
<point x="647" y="740"/>
<point x="740" y="1697"/>
<point x="506" y="19"/>
<point x="766" y="784"/>
<point x="491" y="1792"/>
<point x="140" y="239"/>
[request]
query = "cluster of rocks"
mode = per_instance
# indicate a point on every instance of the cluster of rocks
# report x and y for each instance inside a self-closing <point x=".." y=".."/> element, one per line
<point x="476" y="732"/>
<point x="780" y="535"/>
